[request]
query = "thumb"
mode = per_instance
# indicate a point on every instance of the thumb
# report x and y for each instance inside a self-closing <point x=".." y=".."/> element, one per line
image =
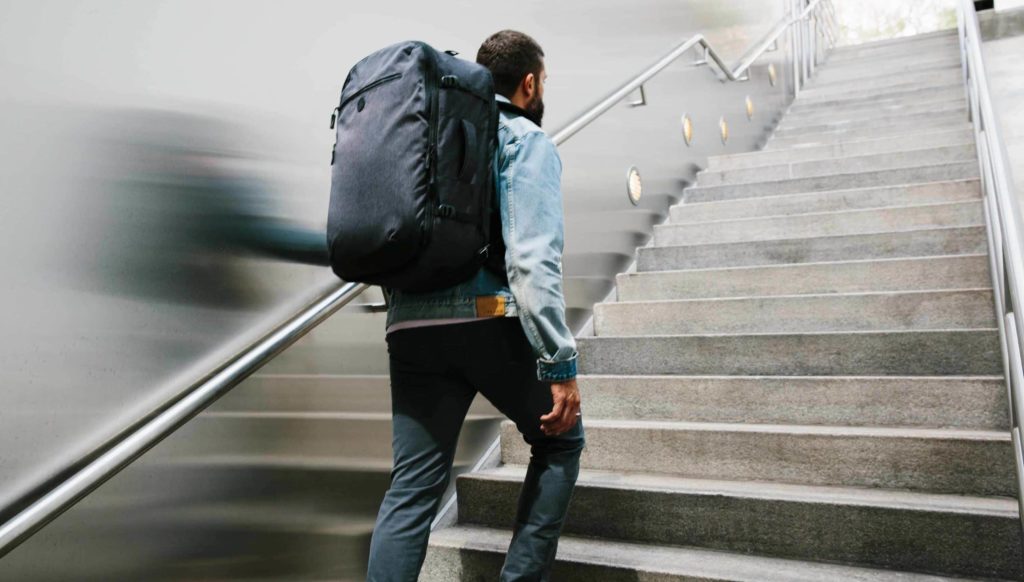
<point x="556" y="411"/>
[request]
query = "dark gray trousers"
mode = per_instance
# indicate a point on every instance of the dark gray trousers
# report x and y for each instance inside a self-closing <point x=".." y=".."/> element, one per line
<point x="435" y="373"/>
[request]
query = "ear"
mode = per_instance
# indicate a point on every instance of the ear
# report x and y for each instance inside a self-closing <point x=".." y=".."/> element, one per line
<point x="529" y="85"/>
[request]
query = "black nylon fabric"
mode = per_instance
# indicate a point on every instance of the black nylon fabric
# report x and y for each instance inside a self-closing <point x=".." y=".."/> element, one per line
<point x="412" y="182"/>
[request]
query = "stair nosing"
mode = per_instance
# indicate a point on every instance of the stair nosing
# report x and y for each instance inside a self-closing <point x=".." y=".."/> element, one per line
<point x="906" y="500"/>
<point x="793" y="334"/>
<point x="849" y="211"/>
<point x="970" y="163"/>
<point x="702" y="563"/>
<point x="800" y="296"/>
<point x="801" y="265"/>
<point x="775" y="197"/>
<point x="803" y="238"/>
<point x="790" y="165"/>
<point x="802" y="430"/>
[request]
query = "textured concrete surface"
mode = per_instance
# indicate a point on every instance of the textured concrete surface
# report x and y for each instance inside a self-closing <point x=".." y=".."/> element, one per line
<point x="883" y="50"/>
<point x="859" y="101"/>
<point x="937" y="460"/>
<point x="877" y="125"/>
<point x="829" y="201"/>
<point x="839" y="71"/>
<point x="919" y="273"/>
<point x="847" y="222"/>
<point x="964" y="535"/>
<point x="902" y="159"/>
<point x="919" y="243"/>
<point x="477" y="553"/>
<point x="918" y="174"/>
<point x="812" y="354"/>
<point x="875" y="311"/>
<point x="965" y="402"/>
<point x="866" y="113"/>
<point x="889" y="91"/>
<point x="840" y="135"/>
<point x="885" y="81"/>
<point x="964" y="135"/>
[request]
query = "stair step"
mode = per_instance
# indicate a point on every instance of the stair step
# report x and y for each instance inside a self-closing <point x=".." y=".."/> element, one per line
<point x="876" y="311"/>
<point x="867" y="112"/>
<point x="310" y="435"/>
<point x="908" y="47"/>
<point x="866" y="147"/>
<point x="953" y="534"/>
<point x="846" y="222"/>
<point x="927" y="118"/>
<point x="862" y="102"/>
<point x="955" y="461"/>
<point x="783" y="140"/>
<point x="864" y="163"/>
<point x="856" y="96"/>
<point x="846" y="181"/>
<point x="477" y="553"/>
<point x="871" y="69"/>
<point x="925" y="77"/>
<point x="829" y="201"/>
<point x="977" y="402"/>
<point x="916" y="273"/>
<point x="887" y="245"/>
<point x="873" y="353"/>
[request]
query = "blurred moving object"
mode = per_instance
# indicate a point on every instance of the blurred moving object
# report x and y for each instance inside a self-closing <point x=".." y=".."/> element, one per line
<point x="181" y="193"/>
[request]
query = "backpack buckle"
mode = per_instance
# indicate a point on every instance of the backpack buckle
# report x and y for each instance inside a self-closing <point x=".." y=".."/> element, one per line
<point x="449" y="81"/>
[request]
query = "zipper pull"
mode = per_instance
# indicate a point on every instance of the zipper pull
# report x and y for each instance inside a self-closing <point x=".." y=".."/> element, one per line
<point x="334" y="116"/>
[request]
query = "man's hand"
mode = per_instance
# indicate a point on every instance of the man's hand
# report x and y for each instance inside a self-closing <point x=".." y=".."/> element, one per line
<point x="566" y="396"/>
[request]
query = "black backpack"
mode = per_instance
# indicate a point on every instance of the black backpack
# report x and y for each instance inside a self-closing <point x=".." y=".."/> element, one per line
<point x="412" y="179"/>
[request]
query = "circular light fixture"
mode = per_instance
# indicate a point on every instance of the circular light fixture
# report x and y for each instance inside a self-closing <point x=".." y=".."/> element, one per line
<point x="687" y="129"/>
<point x="723" y="126"/>
<point x="750" y="108"/>
<point x="772" y="75"/>
<point x="634" y="185"/>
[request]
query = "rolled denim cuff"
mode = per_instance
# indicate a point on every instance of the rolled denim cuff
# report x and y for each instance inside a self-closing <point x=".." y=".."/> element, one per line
<point x="556" y="371"/>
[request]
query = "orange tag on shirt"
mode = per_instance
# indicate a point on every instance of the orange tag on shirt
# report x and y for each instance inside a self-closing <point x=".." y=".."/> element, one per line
<point x="490" y="306"/>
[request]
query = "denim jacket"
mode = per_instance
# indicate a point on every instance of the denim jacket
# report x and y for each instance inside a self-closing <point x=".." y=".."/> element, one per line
<point x="528" y="170"/>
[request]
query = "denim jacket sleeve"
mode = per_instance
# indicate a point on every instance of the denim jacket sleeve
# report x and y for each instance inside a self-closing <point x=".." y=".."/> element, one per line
<point x="531" y="218"/>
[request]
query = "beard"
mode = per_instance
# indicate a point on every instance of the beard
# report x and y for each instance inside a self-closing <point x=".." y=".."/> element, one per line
<point x="536" y="110"/>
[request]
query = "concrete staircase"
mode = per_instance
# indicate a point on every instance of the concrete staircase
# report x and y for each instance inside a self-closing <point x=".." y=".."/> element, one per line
<point x="802" y="379"/>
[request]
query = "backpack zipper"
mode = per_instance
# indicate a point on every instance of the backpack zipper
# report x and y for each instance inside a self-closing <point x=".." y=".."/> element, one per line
<point x="432" y="123"/>
<point x="377" y="83"/>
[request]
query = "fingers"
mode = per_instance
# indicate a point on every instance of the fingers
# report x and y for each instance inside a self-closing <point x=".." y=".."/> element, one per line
<point x="555" y="414"/>
<point x="563" y="415"/>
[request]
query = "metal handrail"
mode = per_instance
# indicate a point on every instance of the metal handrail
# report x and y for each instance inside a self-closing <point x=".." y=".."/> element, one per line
<point x="175" y="414"/>
<point x="736" y="73"/>
<point x="1003" y="222"/>
<point x="152" y="430"/>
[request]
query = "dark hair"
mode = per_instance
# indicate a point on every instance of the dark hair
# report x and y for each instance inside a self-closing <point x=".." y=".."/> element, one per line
<point x="510" y="56"/>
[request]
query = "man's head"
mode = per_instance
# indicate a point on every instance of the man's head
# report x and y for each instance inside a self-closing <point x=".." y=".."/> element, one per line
<point x="516" y="62"/>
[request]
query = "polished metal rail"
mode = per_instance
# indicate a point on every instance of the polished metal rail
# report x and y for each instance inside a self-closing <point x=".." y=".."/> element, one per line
<point x="1003" y="221"/>
<point x="162" y="424"/>
<point x="805" y="58"/>
<point x="152" y="430"/>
